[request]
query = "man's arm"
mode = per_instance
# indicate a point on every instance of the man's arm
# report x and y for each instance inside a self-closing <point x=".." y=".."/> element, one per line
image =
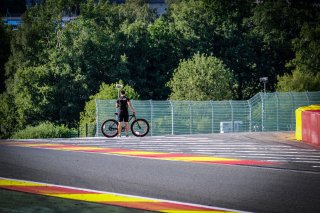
<point x="131" y="107"/>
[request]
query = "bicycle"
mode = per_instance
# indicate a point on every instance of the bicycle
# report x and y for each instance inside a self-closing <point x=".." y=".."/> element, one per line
<point x="139" y="127"/>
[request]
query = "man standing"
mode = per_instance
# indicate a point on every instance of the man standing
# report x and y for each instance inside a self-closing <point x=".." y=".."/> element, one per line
<point x="122" y="103"/>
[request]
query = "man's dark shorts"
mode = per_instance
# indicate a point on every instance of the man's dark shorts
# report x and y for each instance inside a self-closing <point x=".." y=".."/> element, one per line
<point x="123" y="116"/>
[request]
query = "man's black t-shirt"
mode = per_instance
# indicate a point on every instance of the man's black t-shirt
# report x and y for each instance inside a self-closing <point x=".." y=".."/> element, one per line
<point x="123" y="108"/>
<point x="123" y="103"/>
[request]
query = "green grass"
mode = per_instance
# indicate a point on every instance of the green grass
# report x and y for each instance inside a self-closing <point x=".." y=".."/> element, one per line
<point x="19" y="202"/>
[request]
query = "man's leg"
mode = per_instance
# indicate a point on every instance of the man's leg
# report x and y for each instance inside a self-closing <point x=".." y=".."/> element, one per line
<point x="126" y="120"/>
<point x="127" y="129"/>
<point x="119" y="128"/>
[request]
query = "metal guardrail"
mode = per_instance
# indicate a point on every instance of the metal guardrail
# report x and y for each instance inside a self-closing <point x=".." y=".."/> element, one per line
<point x="263" y="112"/>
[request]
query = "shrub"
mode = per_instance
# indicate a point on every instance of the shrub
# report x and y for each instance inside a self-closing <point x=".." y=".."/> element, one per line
<point x="201" y="78"/>
<point x="45" y="130"/>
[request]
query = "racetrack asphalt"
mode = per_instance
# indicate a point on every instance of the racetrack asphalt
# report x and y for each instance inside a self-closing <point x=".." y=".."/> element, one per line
<point x="293" y="187"/>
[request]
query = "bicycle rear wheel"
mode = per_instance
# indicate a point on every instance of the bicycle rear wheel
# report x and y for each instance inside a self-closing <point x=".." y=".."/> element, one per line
<point x="140" y="127"/>
<point x="109" y="128"/>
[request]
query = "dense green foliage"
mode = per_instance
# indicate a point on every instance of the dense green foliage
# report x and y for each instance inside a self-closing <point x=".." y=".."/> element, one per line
<point x="284" y="30"/>
<point x="306" y="63"/>
<point x="45" y="130"/>
<point x="299" y="81"/>
<point x="56" y="68"/>
<point x="216" y="28"/>
<point x="8" y="118"/>
<point x="4" y="52"/>
<point x="201" y="78"/>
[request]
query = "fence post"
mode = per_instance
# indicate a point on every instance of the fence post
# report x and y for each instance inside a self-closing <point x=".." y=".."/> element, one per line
<point x="97" y="118"/>
<point x="172" y="126"/>
<point x="262" y="112"/>
<point x="212" y="115"/>
<point x="232" y="121"/>
<point x="250" y="116"/>
<point x="307" y="94"/>
<point x="277" y="111"/>
<point x="151" y="119"/>
<point x="292" y="112"/>
<point x="190" y="119"/>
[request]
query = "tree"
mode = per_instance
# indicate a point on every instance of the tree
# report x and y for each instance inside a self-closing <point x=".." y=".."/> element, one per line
<point x="276" y="24"/>
<point x="201" y="78"/>
<point x="52" y="92"/>
<point x="307" y="49"/>
<point x="163" y="57"/>
<point x="299" y="81"/>
<point x="132" y="39"/>
<point x="110" y="42"/>
<point x="221" y="28"/>
<point x="4" y="52"/>
<point x="306" y="64"/>
<point x="28" y="48"/>
<point x="8" y="117"/>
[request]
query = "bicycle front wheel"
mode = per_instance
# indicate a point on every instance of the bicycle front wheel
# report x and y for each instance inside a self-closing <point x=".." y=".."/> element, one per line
<point x="109" y="128"/>
<point x="140" y="127"/>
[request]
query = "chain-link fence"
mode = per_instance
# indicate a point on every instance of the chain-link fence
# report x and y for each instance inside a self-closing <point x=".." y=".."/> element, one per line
<point x="263" y="112"/>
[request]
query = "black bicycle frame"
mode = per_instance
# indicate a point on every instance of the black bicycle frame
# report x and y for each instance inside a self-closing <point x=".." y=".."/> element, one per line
<point x="131" y="117"/>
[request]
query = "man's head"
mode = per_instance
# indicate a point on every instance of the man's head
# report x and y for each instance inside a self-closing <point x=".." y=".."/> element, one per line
<point x="122" y="92"/>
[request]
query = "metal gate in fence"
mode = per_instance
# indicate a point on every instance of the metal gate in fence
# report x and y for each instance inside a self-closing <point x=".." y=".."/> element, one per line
<point x="263" y="112"/>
